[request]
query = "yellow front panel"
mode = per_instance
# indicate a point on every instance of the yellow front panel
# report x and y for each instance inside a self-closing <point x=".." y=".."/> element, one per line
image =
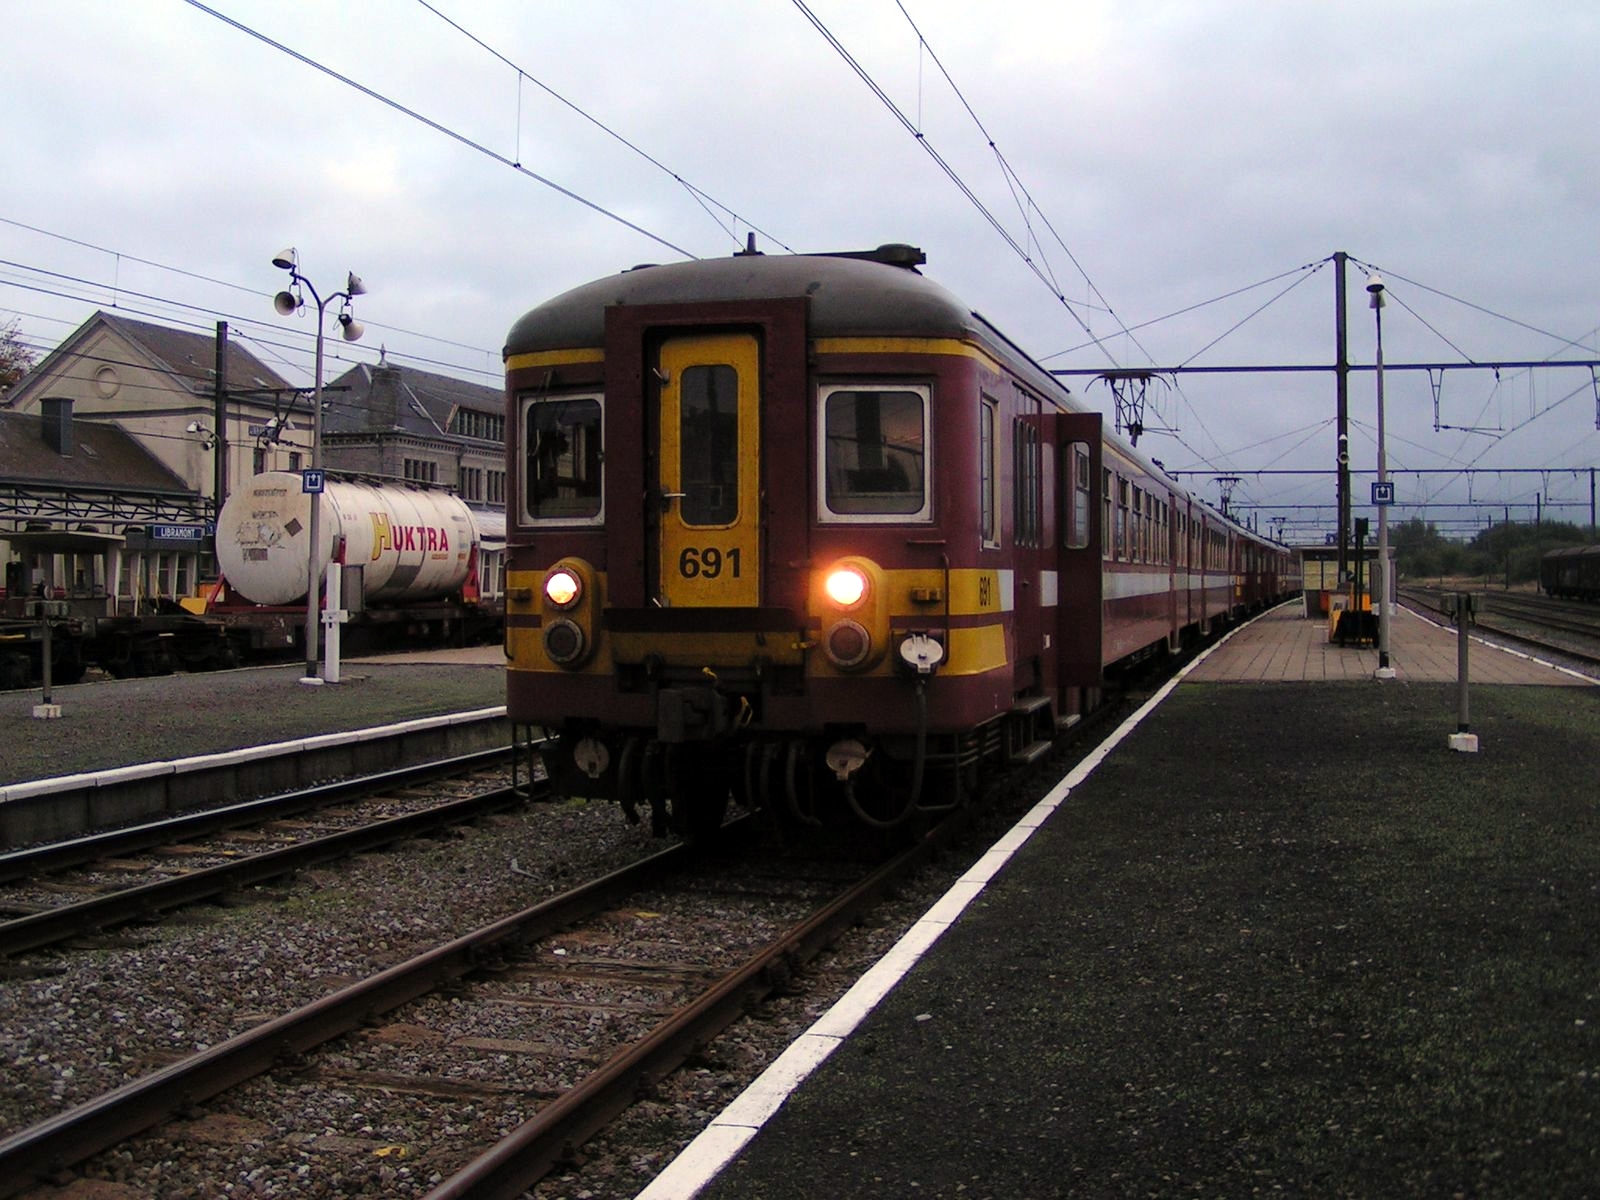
<point x="709" y="545"/>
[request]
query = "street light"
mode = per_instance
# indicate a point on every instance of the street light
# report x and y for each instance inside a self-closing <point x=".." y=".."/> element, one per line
<point x="1384" y="671"/>
<point x="287" y="302"/>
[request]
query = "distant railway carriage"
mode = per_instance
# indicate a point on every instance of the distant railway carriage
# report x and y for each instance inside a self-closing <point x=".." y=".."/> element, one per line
<point x="423" y="566"/>
<point x="1571" y="573"/>
<point x="425" y="569"/>
<point x="807" y="529"/>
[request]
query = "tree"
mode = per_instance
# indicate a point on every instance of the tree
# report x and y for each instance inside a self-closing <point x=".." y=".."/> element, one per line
<point x="15" y="357"/>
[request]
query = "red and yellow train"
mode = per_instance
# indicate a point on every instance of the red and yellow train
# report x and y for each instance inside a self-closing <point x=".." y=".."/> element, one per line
<point x="807" y="531"/>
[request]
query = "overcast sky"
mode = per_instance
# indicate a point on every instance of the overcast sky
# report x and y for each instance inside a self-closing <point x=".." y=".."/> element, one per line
<point x="1192" y="158"/>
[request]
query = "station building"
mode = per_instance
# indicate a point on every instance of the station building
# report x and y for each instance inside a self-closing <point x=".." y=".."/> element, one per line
<point x="118" y="448"/>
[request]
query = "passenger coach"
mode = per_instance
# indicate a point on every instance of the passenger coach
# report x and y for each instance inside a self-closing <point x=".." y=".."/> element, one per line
<point x="808" y="530"/>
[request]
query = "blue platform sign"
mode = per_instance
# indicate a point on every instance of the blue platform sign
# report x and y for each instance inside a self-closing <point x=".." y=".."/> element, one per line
<point x="312" y="481"/>
<point x="1382" y="494"/>
<point x="179" y="533"/>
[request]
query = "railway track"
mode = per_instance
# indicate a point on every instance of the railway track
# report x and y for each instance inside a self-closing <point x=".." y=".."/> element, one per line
<point x="534" y="1030"/>
<point x="1563" y="629"/>
<point x="433" y="1059"/>
<point x="54" y="892"/>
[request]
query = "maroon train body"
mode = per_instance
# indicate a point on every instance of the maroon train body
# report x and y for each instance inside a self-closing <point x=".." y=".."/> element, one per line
<point x="807" y="531"/>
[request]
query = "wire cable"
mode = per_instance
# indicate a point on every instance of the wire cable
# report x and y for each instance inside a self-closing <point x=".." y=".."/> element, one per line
<point x="438" y="127"/>
<point x="701" y="197"/>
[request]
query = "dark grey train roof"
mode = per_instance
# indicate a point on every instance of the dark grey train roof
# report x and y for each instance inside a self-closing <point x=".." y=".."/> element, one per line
<point x="850" y="296"/>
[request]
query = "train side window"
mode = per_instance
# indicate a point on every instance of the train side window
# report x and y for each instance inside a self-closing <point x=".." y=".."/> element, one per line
<point x="1124" y="546"/>
<point x="1079" y="496"/>
<point x="1025" y="482"/>
<point x="874" y="463"/>
<point x="987" y="473"/>
<point x="1107" y="542"/>
<point x="561" y="442"/>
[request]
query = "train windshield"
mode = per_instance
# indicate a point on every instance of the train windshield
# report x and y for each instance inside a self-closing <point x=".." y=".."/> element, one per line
<point x="562" y="446"/>
<point x="876" y="457"/>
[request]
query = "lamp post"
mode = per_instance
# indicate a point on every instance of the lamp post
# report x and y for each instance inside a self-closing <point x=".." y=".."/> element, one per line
<point x="287" y="302"/>
<point x="1384" y="671"/>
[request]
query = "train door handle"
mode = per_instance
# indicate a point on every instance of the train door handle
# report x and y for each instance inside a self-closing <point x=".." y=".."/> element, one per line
<point x="668" y="497"/>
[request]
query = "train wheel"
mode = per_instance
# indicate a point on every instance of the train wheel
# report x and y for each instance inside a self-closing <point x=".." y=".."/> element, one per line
<point x="800" y="783"/>
<point x="630" y="785"/>
<point x="697" y="782"/>
<point x="69" y="669"/>
<point x="14" y="672"/>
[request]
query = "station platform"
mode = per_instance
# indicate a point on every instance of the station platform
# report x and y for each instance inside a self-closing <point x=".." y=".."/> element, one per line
<point x="112" y="723"/>
<point x="1269" y="939"/>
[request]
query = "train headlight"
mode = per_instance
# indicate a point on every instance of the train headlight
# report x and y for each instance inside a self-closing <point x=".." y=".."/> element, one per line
<point x="571" y="598"/>
<point x="850" y="602"/>
<point x="564" y="641"/>
<point x="848" y="644"/>
<point x="846" y="586"/>
<point x="563" y="588"/>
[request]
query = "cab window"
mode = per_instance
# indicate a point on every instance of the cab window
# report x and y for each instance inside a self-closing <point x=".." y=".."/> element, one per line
<point x="874" y="459"/>
<point x="561" y="442"/>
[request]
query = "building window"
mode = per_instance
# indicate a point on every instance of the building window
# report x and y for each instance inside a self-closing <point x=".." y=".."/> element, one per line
<point x="487" y="427"/>
<point x="419" y="470"/>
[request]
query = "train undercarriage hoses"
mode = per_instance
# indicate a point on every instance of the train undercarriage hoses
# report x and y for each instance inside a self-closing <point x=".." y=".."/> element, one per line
<point x="704" y="751"/>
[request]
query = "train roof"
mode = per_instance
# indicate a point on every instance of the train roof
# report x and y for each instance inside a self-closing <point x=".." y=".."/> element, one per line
<point x="1572" y="551"/>
<point x="870" y="293"/>
<point x="874" y="293"/>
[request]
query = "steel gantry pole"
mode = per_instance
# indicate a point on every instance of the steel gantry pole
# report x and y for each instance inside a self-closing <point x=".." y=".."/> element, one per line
<point x="1381" y="495"/>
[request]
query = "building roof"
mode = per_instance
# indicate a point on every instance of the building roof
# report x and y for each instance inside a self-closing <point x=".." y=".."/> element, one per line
<point x="103" y="458"/>
<point x="187" y="357"/>
<point x="384" y="396"/>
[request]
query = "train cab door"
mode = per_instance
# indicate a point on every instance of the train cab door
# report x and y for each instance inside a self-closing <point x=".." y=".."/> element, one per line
<point x="708" y="539"/>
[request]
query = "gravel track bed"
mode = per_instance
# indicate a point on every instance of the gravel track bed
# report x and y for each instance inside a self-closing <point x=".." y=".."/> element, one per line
<point x="160" y="863"/>
<point x="91" y="1019"/>
<point x="87" y="1021"/>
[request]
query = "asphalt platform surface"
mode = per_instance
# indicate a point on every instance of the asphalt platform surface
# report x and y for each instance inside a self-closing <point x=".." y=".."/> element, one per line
<point x="1283" y="941"/>
<point x="120" y="722"/>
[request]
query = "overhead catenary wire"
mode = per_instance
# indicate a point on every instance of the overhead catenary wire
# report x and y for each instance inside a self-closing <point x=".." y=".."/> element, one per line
<point x="944" y="165"/>
<point x="439" y="127"/>
<point x="236" y="319"/>
<point x="701" y="197"/>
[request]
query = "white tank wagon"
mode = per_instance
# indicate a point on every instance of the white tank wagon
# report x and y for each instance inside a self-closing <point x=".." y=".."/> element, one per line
<point x="412" y="545"/>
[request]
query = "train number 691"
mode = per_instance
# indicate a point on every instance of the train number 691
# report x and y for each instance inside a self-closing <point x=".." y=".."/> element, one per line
<point x="707" y="562"/>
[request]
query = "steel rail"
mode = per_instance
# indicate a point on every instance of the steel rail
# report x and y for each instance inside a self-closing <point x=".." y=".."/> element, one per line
<point x="1432" y="600"/>
<point x="552" y="1136"/>
<point x="139" y="903"/>
<point x="48" y="1148"/>
<point x="58" y="856"/>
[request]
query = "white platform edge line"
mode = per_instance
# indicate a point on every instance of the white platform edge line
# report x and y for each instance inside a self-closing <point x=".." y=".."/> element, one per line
<point x="731" y="1130"/>
<point x="1522" y="654"/>
<point x="226" y="758"/>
